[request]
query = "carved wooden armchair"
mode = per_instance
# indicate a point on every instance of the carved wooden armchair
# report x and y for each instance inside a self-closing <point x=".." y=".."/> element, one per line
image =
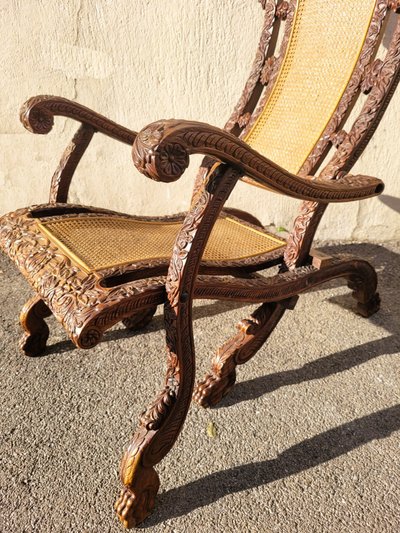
<point x="92" y="268"/>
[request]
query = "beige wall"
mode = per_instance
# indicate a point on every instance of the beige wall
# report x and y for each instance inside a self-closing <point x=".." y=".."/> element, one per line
<point x="141" y="60"/>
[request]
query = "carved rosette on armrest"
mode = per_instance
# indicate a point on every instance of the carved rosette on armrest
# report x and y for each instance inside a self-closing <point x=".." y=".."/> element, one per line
<point x="161" y="151"/>
<point x="157" y="159"/>
<point x="37" y="115"/>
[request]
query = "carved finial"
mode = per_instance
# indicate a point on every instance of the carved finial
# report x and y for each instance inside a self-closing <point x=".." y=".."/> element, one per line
<point x="282" y="10"/>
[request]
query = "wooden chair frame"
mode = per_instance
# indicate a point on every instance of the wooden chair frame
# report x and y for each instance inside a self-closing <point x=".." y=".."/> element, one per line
<point x="161" y="151"/>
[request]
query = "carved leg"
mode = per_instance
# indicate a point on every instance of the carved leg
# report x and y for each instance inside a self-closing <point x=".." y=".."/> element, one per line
<point x="158" y="429"/>
<point x="361" y="279"/>
<point x="253" y="332"/>
<point x="363" y="284"/>
<point x="33" y="342"/>
<point x="139" y="320"/>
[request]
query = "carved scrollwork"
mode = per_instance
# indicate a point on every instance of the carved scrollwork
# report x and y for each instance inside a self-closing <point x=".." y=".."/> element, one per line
<point x="180" y="138"/>
<point x="381" y="81"/>
<point x="70" y="159"/>
<point x="267" y="70"/>
<point x="366" y="55"/>
<point x="158" y="411"/>
<point x="243" y="105"/>
<point x="37" y="115"/>
<point x="74" y="296"/>
<point x="371" y="75"/>
<point x="159" y="162"/>
<point x="282" y="10"/>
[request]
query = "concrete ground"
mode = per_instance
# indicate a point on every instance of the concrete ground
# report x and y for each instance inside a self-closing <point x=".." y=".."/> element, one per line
<point x="308" y="440"/>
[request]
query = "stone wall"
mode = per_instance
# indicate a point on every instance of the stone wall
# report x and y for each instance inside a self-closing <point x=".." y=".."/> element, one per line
<point x="139" y="61"/>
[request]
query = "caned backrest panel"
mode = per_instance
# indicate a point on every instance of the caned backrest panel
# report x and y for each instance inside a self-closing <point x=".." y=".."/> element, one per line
<point x="325" y="44"/>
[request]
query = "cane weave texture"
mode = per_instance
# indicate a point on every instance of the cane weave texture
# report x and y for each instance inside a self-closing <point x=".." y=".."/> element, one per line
<point x="98" y="242"/>
<point x="324" y="46"/>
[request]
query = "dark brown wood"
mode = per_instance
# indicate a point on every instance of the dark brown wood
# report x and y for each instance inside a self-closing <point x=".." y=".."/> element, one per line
<point x="139" y="320"/>
<point x="161" y="152"/>
<point x="62" y="177"/>
<point x="37" y="115"/>
<point x="88" y="303"/>
<point x="32" y="316"/>
<point x="160" y="426"/>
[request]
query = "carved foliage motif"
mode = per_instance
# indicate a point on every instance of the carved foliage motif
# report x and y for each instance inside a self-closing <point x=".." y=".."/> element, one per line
<point x="394" y="5"/>
<point x="305" y="225"/>
<point x="196" y="137"/>
<point x="347" y="99"/>
<point x="75" y="297"/>
<point x="160" y="163"/>
<point x="271" y="72"/>
<point x="384" y="79"/>
<point x="261" y="55"/>
<point x="283" y="9"/>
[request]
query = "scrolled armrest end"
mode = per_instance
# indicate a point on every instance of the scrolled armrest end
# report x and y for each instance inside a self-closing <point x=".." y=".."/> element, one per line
<point x="35" y="116"/>
<point x="158" y="157"/>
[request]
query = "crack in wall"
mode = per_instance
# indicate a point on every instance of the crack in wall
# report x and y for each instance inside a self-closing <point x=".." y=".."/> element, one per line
<point x="76" y="41"/>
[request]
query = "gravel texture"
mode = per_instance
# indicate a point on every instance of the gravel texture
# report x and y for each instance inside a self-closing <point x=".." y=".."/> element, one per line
<point x="307" y="441"/>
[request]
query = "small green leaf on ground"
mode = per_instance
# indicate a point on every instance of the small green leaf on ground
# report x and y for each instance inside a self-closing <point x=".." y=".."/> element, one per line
<point x="211" y="430"/>
<point x="281" y="228"/>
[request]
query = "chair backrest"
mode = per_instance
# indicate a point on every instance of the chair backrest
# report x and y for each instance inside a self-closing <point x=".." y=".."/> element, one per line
<point x="315" y="61"/>
<point x="295" y="103"/>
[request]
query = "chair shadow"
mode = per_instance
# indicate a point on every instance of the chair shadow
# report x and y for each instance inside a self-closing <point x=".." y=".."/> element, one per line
<point x="202" y="311"/>
<point x="302" y="456"/>
<point x="321" y="368"/>
<point x="390" y="201"/>
<point x="383" y="260"/>
<point x="320" y="448"/>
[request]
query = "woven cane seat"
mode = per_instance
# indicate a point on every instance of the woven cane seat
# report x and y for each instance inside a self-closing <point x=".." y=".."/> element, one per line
<point x="324" y="46"/>
<point x="99" y="241"/>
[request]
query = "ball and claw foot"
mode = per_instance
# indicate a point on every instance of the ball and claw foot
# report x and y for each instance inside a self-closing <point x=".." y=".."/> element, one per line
<point x="34" y="344"/>
<point x="137" y="502"/>
<point x="213" y="388"/>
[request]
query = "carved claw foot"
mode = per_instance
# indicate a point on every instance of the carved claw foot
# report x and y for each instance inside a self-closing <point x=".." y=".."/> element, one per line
<point x="369" y="308"/>
<point x="213" y="388"/>
<point x="137" y="501"/>
<point x="139" y="320"/>
<point x="34" y="344"/>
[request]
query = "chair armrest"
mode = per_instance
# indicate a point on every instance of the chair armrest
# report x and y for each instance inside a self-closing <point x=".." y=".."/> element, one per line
<point x="37" y="115"/>
<point x="161" y="152"/>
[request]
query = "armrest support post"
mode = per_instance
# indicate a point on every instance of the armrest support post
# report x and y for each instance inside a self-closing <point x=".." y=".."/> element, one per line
<point x="37" y="115"/>
<point x="63" y="175"/>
